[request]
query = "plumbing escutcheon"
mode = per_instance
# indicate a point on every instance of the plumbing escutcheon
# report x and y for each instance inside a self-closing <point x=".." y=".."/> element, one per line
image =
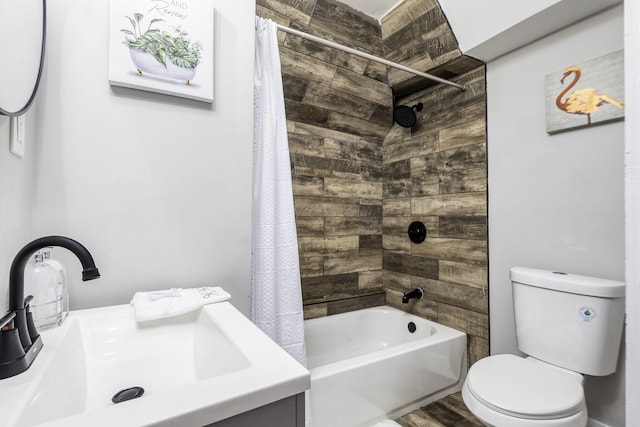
<point x="417" y="232"/>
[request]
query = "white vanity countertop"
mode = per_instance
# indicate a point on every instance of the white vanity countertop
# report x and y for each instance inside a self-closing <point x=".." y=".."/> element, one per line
<point x="196" y="369"/>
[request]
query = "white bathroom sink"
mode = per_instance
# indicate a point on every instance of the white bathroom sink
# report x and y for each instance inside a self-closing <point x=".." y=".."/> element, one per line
<point x="195" y="369"/>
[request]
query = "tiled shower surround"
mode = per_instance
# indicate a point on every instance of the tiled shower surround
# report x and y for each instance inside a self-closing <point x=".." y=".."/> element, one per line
<point x="359" y="180"/>
<point x="436" y="173"/>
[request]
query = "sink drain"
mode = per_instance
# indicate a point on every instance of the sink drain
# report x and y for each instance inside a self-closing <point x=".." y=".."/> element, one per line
<point x="127" y="394"/>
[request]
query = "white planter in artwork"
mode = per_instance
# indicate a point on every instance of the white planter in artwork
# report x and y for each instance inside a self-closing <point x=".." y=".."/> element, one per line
<point x="145" y="63"/>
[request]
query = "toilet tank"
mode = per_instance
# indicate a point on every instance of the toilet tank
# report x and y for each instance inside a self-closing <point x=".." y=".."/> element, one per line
<point x="568" y="320"/>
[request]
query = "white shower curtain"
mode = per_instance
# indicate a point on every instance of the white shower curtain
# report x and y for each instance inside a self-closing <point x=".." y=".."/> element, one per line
<point x="276" y="296"/>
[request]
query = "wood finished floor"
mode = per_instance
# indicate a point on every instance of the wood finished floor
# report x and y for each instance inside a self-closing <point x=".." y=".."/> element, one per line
<point x="448" y="412"/>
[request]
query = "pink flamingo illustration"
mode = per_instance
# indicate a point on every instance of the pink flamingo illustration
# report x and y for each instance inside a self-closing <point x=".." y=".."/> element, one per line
<point x="582" y="101"/>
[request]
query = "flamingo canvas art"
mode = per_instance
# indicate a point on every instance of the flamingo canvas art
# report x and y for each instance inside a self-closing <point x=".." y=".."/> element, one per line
<point x="585" y="94"/>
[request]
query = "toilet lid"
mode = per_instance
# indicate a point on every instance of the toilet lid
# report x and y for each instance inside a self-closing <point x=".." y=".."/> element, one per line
<point x="525" y="388"/>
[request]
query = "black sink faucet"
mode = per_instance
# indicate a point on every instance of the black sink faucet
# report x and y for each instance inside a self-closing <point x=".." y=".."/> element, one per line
<point x="19" y="329"/>
<point x="416" y="293"/>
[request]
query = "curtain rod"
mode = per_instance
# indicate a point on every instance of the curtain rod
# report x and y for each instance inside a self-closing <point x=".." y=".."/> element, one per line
<point x="367" y="56"/>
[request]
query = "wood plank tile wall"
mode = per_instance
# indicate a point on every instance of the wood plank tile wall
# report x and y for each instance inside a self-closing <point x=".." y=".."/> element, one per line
<point x="359" y="181"/>
<point x="435" y="172"/>
<point x="417" y="34"/>
<point x="338" y="110"/>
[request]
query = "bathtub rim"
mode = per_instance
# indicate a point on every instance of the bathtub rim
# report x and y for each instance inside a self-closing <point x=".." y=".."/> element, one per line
<point x="442" y="333"/>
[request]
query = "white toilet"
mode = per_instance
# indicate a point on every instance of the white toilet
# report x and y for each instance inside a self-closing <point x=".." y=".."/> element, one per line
<point x="567" y="325"/>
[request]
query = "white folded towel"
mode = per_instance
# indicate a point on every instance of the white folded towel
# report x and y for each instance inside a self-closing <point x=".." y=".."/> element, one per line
<point x="174" y="302"/>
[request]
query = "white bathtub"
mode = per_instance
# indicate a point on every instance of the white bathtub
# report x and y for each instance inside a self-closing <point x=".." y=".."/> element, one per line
<point x="366" y="366"/>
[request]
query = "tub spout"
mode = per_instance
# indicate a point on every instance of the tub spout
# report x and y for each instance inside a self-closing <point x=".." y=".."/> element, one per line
<point x="20" y="323"/>
<point x="416" y="293"/>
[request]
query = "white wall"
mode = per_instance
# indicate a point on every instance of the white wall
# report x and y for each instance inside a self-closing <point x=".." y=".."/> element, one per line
<point x="555" y="202"/>
<point x="632" y="196"/>
<point x="16" y="199"/>
<point x="507" y="24"/>
<point x="157" y="187"/>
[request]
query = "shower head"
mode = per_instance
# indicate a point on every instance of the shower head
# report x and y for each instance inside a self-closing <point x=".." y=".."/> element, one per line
<point x="405" y="116"/>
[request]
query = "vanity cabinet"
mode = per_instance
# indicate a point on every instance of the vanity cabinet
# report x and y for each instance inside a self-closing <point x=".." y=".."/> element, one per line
<point x="288" y="412"/>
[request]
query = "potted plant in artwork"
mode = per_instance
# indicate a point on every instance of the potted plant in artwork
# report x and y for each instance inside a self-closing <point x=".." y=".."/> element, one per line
<point x="161" y="53"/>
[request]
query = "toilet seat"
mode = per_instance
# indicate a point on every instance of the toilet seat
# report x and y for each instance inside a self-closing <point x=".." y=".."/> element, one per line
<point x="525" y="388"/>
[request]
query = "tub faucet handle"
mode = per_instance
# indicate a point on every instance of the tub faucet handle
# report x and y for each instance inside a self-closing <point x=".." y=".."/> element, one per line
<point x="416" y="293"/>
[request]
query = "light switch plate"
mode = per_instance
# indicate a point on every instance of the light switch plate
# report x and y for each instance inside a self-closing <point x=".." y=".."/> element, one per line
<point x="17" y="136"/>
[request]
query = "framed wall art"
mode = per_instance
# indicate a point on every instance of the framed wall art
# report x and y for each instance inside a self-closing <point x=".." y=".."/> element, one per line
<point x="585" y="94"/>
<point x="163" y="46"/>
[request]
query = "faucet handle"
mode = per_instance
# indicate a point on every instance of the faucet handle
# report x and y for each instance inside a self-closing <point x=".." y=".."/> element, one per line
<point x="10" y="345"/>
<point x="7" y="321"/>
<point x="31" y="326"/>
<point x="27" y="301"/>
